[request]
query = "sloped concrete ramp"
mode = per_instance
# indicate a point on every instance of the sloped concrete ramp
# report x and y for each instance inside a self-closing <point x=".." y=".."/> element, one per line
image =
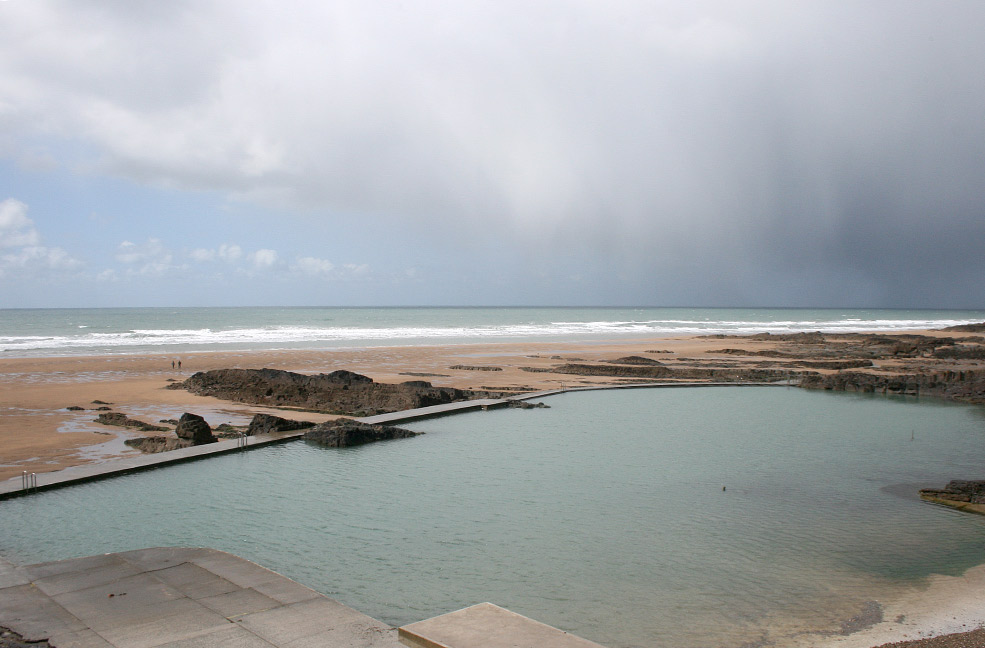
<point x="179" y="598"/>
<point x="487" y="626"/>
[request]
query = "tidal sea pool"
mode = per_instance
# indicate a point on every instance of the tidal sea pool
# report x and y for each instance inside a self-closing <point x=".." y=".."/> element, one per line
<point x="644" y="517"/>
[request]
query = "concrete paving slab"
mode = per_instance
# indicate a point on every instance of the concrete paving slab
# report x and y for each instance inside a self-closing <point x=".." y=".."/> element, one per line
<point x="239" y="603"/>
<point x="128" y="600"/>
<point x="298" y="620"/>
<point x="32" y="614"/>
<point x="85" y="579"/>
<point x="81" y="639"/>
<point x="231" y="637"/>
<point x="194" y="581"/>
<point x="163" y="557"/>
<point x="108" y="618"/>
<point x="195" y="621"/>
<point x="236" y="570"/>
<point x="487" y="626"/>
<point x="351" y="635"/>
<point x="12" y="575"/>
<point x="42" y="570"/>
<point x="286" y="591"/>
<point x="97" y="602"/>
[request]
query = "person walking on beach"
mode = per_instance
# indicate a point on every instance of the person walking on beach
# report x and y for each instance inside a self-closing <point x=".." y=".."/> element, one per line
<point x="179" y="365"/>
<point x="172" y="364"/>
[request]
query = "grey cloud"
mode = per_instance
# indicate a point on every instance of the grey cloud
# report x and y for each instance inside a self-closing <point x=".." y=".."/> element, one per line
<point x="703" y="149"/>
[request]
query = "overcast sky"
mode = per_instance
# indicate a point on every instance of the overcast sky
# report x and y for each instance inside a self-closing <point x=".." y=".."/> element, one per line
<point x="712" y="153"/>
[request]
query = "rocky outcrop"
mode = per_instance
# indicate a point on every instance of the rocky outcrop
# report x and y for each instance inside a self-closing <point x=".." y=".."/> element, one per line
<point x="122" y="420"/>
<point x="792" y="360"/>
<point x="967" y="328"/>
<point x="519" y="404"/>
<point x="269" y="424"/>
<point x="967" y="386"/>
<point x="961" y="352"/>
<point x="475" y="368"/>
<point x="229" y="431"/>
<point x="963" y="495"/>
<point x="635" y="360"/>
<point x="340" y="392"/>
<point x="663" y="372"/>
<point x="959" y="490"/>
<point x="193" y="427"/>
<point x="154" y="444"/>
<point x="342" y="433"/>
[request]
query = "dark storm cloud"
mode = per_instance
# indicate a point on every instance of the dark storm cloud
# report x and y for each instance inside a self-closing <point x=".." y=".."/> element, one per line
<point x="712" y="152"/>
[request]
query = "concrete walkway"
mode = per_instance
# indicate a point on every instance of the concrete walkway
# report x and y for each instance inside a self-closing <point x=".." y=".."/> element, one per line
<point x="89" y="472"/>
<point x="179" y="598"/>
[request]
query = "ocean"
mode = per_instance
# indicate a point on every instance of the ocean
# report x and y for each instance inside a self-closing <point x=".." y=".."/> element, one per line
<point x="61" y="332"/>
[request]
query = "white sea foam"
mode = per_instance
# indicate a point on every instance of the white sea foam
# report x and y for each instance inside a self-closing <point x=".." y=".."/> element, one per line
<point x="85" y="339"/>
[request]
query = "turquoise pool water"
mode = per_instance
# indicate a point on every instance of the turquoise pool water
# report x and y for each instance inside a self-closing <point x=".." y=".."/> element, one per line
<point x="603" y="515"/>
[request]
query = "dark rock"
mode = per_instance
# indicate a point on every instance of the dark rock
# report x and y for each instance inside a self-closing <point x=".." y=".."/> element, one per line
<point x="815" y="337"/>
<point x="967" y="328"/>
<point x="228" y="431"/>
<point x="267" y="424"/>
<point x="959" y="490"/>
<point x="99" y="402"/>
<point x="718" y="374"/>
<point x="342" y="433"/>
<point x="475" y="368"/>
<point x="348" y="377"/>
<point x="423" y="374"/>
<point x="519" y="404"/>
<point x="194" y="428"/>
<point x="635" y="360"/>
<point x="122" y="420"/>
<point x="103" y="408"/>
<point x="341" y="392"/>
<point x="75" y="408"/>
<point x="967" y="386"/>
<point x="158" y="444"/>
<point x="961" y="352"/>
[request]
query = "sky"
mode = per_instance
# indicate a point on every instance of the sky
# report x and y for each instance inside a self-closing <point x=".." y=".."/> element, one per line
<point x="706" y="153"/>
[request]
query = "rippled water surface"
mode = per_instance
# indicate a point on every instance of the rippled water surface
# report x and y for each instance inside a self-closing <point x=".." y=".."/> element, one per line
<point x="604" y="515"/>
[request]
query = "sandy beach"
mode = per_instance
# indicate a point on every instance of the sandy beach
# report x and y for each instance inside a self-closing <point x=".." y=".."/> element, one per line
<point x="38" y="433"/>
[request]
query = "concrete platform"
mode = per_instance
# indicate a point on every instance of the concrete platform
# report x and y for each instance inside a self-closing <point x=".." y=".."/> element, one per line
<point x="179" y="598"/>
<point x="15" y="486"/>
<point x="487" y="626"/>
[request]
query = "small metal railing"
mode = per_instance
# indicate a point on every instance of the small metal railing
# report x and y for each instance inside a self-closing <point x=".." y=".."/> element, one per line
<point x="242" y="440"/>
<point x="29" y="481"/>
